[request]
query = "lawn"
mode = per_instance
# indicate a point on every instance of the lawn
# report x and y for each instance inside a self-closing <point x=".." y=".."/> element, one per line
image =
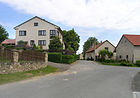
<point x="12" y="77"/>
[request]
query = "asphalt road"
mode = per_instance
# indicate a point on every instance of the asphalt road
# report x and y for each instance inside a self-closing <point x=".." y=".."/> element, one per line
<point x="85" y="79"/>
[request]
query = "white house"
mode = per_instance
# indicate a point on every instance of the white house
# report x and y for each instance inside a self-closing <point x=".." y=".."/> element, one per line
<point x="128" y="48"/>
<point x="38" y="31"/>
<point x="93" y="52"/>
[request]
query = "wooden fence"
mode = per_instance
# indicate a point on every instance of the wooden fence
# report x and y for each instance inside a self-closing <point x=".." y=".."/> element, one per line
<point x="6" y="55"/>
<point x="31" y="55"/>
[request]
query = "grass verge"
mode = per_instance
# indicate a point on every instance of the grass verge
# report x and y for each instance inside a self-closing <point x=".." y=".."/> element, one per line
<point x="117" y="64"/>
<point x="12" y="77"/>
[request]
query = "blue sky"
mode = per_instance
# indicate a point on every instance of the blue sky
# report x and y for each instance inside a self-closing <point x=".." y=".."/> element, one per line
<point x="103" y="19"/>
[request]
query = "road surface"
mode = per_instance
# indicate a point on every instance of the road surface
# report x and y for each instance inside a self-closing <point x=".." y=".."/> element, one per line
<point x="85" y="79"/>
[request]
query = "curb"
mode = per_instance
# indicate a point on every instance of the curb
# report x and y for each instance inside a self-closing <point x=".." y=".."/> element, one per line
<point x="136" y="94"/>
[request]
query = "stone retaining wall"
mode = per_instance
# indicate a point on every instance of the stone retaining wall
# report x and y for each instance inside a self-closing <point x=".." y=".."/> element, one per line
<point x="6" y="68"/>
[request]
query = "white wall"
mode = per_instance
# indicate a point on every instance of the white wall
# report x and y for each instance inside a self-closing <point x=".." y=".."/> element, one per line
<point x="125" y="48"/>
<point x="136" y="53"/>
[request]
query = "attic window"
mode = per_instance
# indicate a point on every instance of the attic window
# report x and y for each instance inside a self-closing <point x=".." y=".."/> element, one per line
<point x="35" y="24"/>
<point x="106" y="48"/>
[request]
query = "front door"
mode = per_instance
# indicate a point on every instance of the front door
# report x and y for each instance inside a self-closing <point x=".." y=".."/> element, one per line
<point x="32" y="42"/>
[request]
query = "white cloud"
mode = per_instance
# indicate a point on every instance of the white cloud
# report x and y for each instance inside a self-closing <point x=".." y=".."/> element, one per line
<point x="108" y="14"/>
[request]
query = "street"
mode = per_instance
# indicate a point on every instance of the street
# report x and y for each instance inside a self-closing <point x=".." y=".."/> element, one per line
<point x="85" y="79"/>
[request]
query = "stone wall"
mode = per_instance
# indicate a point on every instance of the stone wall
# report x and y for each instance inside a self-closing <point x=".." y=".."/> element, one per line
<point x="8" y="67"/>
<point x="35" y="61"/>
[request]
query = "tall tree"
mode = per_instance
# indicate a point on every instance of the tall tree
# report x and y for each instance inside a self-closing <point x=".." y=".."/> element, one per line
<point x="88" y="44"/>
<point x="71" y="40"/>
<point x="55" y="44"/>
<point x="3" y="34"/>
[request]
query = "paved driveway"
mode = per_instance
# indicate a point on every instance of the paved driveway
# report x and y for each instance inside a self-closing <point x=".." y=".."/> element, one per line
<point x="85" y="79"/>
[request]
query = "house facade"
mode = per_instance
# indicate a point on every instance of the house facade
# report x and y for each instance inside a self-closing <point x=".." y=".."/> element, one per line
<point x="38" y="31"/>
<point x="93" y="53"/>
<point x="128" y="48"/>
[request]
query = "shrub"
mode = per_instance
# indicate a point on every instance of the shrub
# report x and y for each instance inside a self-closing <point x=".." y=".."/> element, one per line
<point x="59" y="58"/>
<point x="138" y="62"/>
<point x="21" y="42"/>
<point x="55" y="57"/>
<point x="8" y="46"/>
<point x="19" y="48"/>
<point x="34" y="46"/>
<point x="38" y="48"/>
<point x="109" y="61"/>
<point x="126" y="64"/>
<point x="68" y="59"/>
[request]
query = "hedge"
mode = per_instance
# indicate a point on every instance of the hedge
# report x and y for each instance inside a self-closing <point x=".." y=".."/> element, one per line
<point x="55" y="57"/>
<point x="138" y="62"/>
<point x="59" y="58"/>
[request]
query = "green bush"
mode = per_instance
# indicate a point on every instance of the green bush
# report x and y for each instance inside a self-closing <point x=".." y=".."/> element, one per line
<point x="8" y="46"/>
<point x="55" y="57"/>
<point x="40" y="50"/>
<point x="19" y="48"/>
<point x="138" y="62"/>
<point x="59" y="58"/>
<point x="67" y="59"/>
<point x="109" y="61"/>
<point x="126" y="64"/>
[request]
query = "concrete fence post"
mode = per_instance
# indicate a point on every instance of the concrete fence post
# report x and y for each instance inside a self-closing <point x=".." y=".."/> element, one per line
<point x="46" y="57"/>
<point x="15" y="56"/>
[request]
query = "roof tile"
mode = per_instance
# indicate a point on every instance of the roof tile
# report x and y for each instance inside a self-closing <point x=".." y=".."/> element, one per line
<point x="134" y="39"/>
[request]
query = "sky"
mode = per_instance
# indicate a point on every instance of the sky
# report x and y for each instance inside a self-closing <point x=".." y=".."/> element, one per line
<point x="103" y="19"/>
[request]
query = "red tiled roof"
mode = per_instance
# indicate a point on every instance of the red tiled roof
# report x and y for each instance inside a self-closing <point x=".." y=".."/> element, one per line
<point x="92" y="49"/>
<point x="9" y="41"/>
<point x="134" y="39"/>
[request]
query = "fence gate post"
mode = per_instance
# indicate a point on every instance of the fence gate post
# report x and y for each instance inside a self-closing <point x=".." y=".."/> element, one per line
<point x="15" y="56"/>
<point x="46" y="57"/>
<point x="2" y="50"/>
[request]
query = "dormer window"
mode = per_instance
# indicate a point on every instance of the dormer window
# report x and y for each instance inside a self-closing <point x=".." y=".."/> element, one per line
<point x="35" y="24"/>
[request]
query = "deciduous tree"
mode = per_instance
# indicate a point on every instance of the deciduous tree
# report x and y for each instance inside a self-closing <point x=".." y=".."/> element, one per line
<point x="71" y="40"/>
<point x="3" y="34"/>
<point x="55" y="44"/>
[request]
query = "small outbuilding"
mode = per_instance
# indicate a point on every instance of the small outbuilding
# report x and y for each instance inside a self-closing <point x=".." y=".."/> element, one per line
<point x="9" y="42"/>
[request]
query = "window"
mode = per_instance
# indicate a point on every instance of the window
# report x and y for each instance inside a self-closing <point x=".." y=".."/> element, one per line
<point x="52" y="33"/>
<point x="32" y="42"/>
<point x="106" y="48"/>
<point x="41" y="42"/>
<point x="126" y="56"/>
<point x="42" y="33"/>
<point x="120" y="56"/>
<point x="22" y="33"/>
<point x="125" y="41"/>
<point x="35" y="24"/>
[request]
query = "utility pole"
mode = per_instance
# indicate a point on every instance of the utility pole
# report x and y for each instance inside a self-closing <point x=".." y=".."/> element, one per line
<point x="94" y="49"/>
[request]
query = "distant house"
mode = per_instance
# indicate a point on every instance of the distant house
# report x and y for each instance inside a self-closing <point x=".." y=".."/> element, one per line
<point x="81" y="56"/>
<point x="93" y="52"/>
<point x="9" y="42"/>
<point x="128" y="48"/>
<point x="38" y="31"/>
